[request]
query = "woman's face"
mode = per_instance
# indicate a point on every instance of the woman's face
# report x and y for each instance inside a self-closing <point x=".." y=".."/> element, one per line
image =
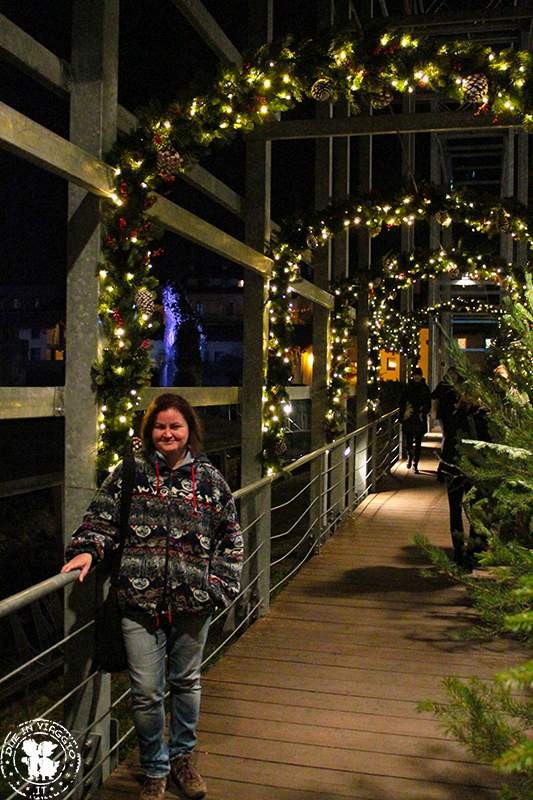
<point x="170" y="435"/>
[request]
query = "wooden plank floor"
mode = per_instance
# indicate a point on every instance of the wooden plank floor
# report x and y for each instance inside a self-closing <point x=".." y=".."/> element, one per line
<point x="317" y="701"/>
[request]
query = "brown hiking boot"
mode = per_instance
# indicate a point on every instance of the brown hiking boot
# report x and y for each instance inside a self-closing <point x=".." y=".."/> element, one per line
<point x="153" y="789"/>
<point x="187" y="777"/>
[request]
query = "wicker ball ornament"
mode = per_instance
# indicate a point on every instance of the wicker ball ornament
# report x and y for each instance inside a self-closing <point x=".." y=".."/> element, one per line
<point x="322" y="90"/>
<point x="475" y="88"/>
<point x="443" y="218"/>
<point x="280" y="447"/>
<point x="382" y="98"/>
<point x="144" y="302"/>
<point x="312" y="241"/>
<point x="169" y="162"/>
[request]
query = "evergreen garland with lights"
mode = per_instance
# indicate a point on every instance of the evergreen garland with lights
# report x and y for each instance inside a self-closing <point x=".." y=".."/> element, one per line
<point x="481" y="213"/>
<point x="368" y="72"/>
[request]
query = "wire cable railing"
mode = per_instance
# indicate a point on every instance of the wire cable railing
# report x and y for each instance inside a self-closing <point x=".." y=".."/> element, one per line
<point x="295" y="523"/>
<point x="295" y="496"/>
<point x="341" y="475"/>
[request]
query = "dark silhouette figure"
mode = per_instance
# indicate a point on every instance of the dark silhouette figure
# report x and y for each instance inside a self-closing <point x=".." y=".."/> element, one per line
<point x="415" y="404"/>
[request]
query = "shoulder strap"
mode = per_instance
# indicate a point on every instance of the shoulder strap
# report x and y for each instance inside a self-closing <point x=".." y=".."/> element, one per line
<point x="128" y="482"/>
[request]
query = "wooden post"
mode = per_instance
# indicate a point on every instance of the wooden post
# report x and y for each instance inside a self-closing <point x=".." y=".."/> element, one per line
<point x="255" y="326"/>
<point x="257" y="232"/>
<point x="364" y="252"/>
<point x="340" y="263"/>
<point x="93" y="111"/>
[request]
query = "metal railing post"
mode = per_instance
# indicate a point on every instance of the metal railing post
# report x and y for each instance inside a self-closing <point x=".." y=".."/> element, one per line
<point x="263" y="543"/>
<point x="336" y="482"/>
<point x="390" y="443"/>
<point x="361" y="458"/>
<point x="324" y="461"/>
<point x="255" y="522"/>
<point x="374" y="456"/>
<point x="350" y="472"/>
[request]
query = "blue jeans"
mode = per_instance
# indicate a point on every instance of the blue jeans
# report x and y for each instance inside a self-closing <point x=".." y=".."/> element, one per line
<point x="184" y="642"/>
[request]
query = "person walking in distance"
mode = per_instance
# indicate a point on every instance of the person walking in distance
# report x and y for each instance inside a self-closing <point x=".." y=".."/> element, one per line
<point x="445" y="398"/>
<point x="415" y="403"/>
<point x="182" y="558"/>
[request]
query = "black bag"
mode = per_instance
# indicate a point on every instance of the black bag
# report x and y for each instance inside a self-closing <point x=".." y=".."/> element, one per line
<point x="110" y="652"/>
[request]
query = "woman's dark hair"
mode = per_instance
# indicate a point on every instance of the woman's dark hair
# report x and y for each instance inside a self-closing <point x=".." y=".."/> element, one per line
<point x="162" y="403"/>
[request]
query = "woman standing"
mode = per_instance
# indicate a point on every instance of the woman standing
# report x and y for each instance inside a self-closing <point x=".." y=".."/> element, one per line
<point x="182" y="558"/>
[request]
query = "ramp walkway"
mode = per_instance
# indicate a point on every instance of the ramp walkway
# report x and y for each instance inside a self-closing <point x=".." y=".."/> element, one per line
<point x="317" y="700"/>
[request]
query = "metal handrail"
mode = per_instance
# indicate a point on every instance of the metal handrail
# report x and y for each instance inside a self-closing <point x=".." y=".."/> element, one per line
<point x="62" y="579"/>
<point x="21" y="599"/>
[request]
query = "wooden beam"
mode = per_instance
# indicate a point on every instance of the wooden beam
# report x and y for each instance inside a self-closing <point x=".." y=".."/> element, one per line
<point x="23" y="402"/>
<point x="31" y="402"/>
<point x="198" y="396"/>
<point x="34" y="483"/>
<point x="299" y="392"/>
<point x="180" y="221"/>
<point x="37" y="144"/>
<point x="379" y="124"/>
<point x="206" y="25"/>
<point x="26" y="53"/>
<point x="31" y="57"/>
<point x="314" y="293"/>
<point x="33" y="142"/>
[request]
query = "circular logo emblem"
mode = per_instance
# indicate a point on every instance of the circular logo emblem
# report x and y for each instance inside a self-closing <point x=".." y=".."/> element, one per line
<point x="40" y="759"/>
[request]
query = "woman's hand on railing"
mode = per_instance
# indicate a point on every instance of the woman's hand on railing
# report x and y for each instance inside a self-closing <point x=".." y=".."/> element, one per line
<point x="82" y="562"/>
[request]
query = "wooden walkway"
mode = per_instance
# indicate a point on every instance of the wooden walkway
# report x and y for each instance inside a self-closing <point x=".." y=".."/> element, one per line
<point x="317" y="701"/>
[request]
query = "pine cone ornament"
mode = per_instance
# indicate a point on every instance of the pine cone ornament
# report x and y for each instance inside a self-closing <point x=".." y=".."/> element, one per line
<point x="502" y="220"/>
<point x="322" y="90"/>
<point x="454" y="274"/>
<point x="443" y="218"/>
<point x="475" y="88"/>
<point x="296" y="273"/>
<point x="281" y="447"/>
<point x="382" y="98"/>
<point x="312" y="241"/>
<point x="145" y="302"/>
<point x="169" y="162"/>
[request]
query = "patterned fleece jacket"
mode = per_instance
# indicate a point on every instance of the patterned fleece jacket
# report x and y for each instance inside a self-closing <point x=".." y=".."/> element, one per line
<point x="183" y="549"/>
